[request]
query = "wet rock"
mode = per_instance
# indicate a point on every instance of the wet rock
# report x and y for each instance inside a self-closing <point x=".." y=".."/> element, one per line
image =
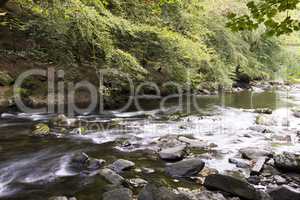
<point x="259" y="164"/>
<point x="146" y="170"/>
<point x="41" y="129"/>
<point x="233" y="186"/>
<point x="285" y="193"/>
<point x="94" y="164"/>
<point x="207" y="195"/>
<point x="79" y="131"/>
<point x="152" y="192"/>
<point x="208" y="171"/>
<point x="121" y="165"/>
<point x="185" y="168"/>
<point x="138" y="182"/>
<point x="253" y="153"/>
<point x="80" y="158"/>
<point x="279" y="180"/>
<point x="264" y="111"/>
<point x="260" y="129"/>
<point x="118" y="194"/>
<point x="174" y="153"/>
<point x="266" y="120"/>
<point x="255" y="180"/>
<point x="296" y="113"/>
<point x="288" y="162"/>
<point x="111" y="176"/>
<point x="240" y="163"/>
<point x="194" y="143"/>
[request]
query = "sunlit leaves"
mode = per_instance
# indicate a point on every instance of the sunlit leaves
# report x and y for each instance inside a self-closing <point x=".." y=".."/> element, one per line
<point x="266" y="12"/>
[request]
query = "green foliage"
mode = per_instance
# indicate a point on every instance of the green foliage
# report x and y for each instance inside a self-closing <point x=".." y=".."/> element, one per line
<point x="266" y="12"/>
<point x="184" y="41"/>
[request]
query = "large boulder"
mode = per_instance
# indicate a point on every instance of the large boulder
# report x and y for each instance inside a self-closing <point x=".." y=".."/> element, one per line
<point x="81" y="161"/>
<point x="287" y="162"/>
<point x="118" y="194"/>
<point x="233" y="186"/>
<point x="152" y="192"/>
<point x="185" y="168"/>
<point x="285" y="193"/>
<point x="253" y="153"/>
<point x="121" y="165"/>
<point x="173" y="153"/>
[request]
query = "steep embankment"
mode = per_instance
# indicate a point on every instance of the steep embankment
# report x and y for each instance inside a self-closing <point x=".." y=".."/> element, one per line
<point x="185" y="41"/>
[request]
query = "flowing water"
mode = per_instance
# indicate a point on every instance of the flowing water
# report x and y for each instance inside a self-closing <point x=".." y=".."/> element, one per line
<point x="38" y="167"/>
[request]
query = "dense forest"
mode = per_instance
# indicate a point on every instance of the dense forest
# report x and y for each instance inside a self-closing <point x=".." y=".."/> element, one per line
<point x="186" y="41"/>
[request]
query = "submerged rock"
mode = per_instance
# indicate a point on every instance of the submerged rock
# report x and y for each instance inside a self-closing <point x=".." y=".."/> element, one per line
<point x="260" y="129"/>
<point x="118" y="194"/>
<point x="288" y="162"/>
<point x="185" y="168"/>
<point x="264" y="111"/>
<point x="285" y="193"/>
<point x="152" y="192"/>
<point x="121" y="165"/>
<point x="233" y="186"/>
<point x="173" y="153"/>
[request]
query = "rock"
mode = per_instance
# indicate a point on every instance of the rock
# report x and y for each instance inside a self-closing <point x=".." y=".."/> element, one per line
<point x="279" y="180"/>
<point x="41" y="129"/>
<point x="79" y="161"/>
<point x="255" y="180"/>
<point x="264" y="111"/>
<point x="233" y="186"/>
<point x="152" y="192"/>
<point x="185" y="168"/>
<point x="121" y="165"/>
<point x="266" y="120"/>
<point x="118" y="194"/>
<point x="253" y="153"/>
<point x="240" y="163"/>
<point x="79" y="131"/>
<point x="259" y="164"/>
<point x="58" y="198"/>
<point x="146" y="170"/>
<point x="194" y="143"/>
<point x="285" y="193"/>
<point x="287" y="162"/>
<point x="207" y="195"/>
<point x="174" y="153"/>
<point x="138" y="182"/>
<point x="260" y="129"/>
<point x="111" y="176"/>
<point x="94" y="164"/>
<point x="296" y="113"/>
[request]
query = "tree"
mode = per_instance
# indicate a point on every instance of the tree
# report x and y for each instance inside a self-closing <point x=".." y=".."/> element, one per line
<point x="274" y="14"/>
<point x="3" y="2"/>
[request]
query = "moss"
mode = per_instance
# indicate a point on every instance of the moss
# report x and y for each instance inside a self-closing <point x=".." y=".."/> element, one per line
<point x="5" y="79"/>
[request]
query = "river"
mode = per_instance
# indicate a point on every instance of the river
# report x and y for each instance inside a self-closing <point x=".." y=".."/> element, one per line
<point x="36" y="168"/>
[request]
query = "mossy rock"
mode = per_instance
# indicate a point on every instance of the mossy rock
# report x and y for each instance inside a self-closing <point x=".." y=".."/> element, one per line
<point x="41" y="129"/>
<point x="5" y="79"/>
